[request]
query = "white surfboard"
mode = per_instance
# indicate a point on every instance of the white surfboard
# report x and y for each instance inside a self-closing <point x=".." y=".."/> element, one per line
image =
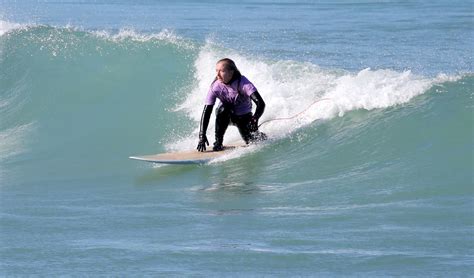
<point x="188" y="157"/>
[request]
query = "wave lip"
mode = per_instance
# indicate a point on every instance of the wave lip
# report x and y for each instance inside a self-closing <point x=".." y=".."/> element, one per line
<point x="6" y="26"/>
<point x="124" y="34"/>
<point x="370" y="89"/>
<point x="130" y="34"/>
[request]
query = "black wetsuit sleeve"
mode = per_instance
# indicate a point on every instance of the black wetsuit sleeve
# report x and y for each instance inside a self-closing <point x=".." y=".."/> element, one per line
<point x="206" y="115"/>
<point x="255" y="96"/>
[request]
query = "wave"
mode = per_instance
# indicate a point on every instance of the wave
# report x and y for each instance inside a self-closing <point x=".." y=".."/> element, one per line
<point x="164" y="77"/>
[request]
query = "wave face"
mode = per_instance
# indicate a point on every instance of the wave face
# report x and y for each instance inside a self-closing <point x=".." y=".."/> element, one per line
<point x="58" y="83"/>
<point x="383" y="154"/>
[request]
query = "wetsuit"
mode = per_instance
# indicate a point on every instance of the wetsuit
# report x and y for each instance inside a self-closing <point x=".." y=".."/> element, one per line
<point x="236" y="107"/>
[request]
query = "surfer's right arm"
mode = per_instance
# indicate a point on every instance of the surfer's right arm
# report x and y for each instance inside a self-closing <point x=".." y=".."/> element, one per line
<point x="206" y="115"/>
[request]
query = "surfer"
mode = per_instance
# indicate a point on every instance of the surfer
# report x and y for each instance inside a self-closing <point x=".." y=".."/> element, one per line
<point x="236" y="94"/>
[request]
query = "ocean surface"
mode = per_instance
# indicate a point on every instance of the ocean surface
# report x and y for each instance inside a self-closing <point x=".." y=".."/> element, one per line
<point x="370" y="175"/>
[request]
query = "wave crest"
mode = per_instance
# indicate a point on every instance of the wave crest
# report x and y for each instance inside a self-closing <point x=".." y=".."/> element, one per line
<point x="6" y="26"/>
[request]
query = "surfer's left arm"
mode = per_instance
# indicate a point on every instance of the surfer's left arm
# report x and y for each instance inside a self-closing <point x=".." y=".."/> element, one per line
<point x="257" y="98"/>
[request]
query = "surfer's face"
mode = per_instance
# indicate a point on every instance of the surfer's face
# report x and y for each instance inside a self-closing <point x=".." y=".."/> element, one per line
<point x="223" y="73"/>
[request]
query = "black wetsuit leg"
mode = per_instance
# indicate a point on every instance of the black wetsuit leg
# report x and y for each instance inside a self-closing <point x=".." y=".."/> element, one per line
<point x="243" y="124"/>
<point x="223" y="114"/>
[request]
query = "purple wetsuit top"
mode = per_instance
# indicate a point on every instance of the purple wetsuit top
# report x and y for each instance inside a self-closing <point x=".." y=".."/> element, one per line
<point x="228" y="94"/>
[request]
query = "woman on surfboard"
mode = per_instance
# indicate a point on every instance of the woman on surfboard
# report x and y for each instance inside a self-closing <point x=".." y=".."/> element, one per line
<point x="235" y="93"/>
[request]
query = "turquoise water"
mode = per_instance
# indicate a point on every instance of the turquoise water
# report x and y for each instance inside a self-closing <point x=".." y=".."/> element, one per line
<point x="374" y="180"/>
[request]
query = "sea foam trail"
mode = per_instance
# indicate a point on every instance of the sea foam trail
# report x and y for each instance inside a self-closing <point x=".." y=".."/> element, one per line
<point x="13" y="141"/>
<point x="301" y="93"/>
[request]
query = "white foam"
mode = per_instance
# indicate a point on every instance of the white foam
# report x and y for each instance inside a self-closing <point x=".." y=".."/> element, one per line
<point x="235" y="153"/>
<point x="370" y="89"/>
<point x="6" y="27"/>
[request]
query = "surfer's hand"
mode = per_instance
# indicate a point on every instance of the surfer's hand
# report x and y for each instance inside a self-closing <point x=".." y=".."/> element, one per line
<point x="253" y="124"/>
<point x="202" y="142"/>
